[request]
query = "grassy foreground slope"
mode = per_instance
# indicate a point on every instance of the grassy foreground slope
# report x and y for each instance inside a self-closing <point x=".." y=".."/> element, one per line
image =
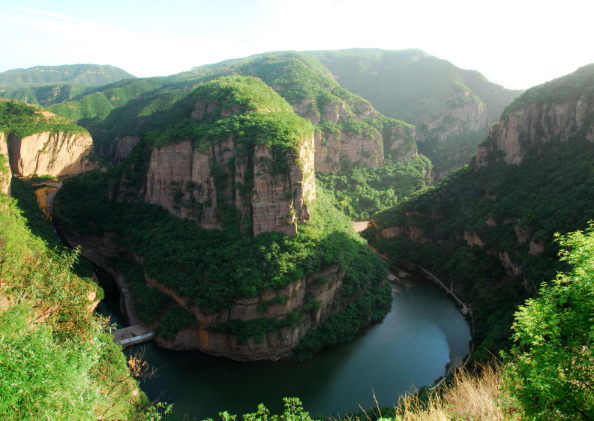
<point x="59" y="357"/>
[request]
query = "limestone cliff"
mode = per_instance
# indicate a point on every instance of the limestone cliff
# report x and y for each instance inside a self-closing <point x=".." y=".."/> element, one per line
<point x="54" y="154"/>
<point x="464" y="113"/>
<point x="536" y="122"/>
<point x="122" y="146"/>
<point x="180" y="179"/>
<point x="5" y="173"/>
<point x="338" y="144"/>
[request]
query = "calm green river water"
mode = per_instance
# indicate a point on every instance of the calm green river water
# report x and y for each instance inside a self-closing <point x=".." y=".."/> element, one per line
<point x="422" y="333"/>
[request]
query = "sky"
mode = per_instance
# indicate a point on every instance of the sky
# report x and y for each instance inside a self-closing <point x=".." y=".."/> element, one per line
<point x="517" y="43"/>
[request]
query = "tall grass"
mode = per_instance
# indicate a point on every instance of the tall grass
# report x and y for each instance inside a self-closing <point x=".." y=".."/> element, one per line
<point x="468" y="396"/>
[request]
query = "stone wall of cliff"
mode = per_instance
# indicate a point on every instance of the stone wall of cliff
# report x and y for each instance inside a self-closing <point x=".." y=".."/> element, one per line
<point x="198" y="182"/>
<point x="5" y="173"/>
<point x="466" y="113"/>
<point x="536" y="123"/>
<point x="53" y="154"/>
<point x="334" y="149"/>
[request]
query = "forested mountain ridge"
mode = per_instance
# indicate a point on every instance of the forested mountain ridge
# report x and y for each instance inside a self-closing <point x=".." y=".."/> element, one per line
<point x="452" y="108"/>
<point x="487" y="229"/>
<point x="224" y="241"/>
<point x="79" y="74"/>
<point x="349" y="131"/>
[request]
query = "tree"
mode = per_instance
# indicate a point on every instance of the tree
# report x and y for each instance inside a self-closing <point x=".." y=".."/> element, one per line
<point x="551" y="369"/>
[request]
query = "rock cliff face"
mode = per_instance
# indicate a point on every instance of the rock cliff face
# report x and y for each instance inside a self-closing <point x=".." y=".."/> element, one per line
<point x="265" y="184"/>
<point x="364" y="148"/>
<point x="53" y="154"/>
<point x="466" y="113"/>
<point x="5" y="173"/>
<point x="122" y="146"/>
<point x="181" y="178"/>
<point x="536" y="123"/>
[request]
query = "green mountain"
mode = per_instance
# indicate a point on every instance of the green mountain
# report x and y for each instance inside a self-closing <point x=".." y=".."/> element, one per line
<point x="452" y="108"/>
<point x="225" y="241"/>
<point x="122" y="111"/>
<point x="488" y="229"/>
<point x="411" y="85"/>
<point x="79" y="74"/>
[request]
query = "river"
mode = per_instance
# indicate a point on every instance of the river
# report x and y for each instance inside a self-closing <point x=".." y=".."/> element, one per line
<point x="421" y="334"/>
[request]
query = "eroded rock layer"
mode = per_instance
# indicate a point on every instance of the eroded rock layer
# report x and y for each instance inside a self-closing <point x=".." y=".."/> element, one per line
<point x="536" y="123"/>
<point x="52" y="154"/>
<point x="197" y="182"/>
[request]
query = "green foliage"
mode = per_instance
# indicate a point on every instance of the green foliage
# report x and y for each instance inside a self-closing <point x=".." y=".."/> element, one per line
<point x="361" y="192"/>
<point x="293" y="412"/>
<point x="550" y="367"/>
<point x="24" y="120"/>
<point x="176" y="319"/>
<point x="247" y="93"/>
<point x="45" y="95"/>
<point x="452" y="153"/>
<point x="60" y="362"/>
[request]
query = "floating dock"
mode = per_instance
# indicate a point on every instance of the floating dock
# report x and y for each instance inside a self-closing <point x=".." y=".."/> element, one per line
<point x="132" y="335"/>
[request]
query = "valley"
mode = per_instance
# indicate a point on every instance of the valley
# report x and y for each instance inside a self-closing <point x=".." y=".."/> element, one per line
<point x="262" y="217"/>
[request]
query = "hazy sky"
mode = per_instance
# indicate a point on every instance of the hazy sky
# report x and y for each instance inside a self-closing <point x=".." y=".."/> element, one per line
<point x="515" y="43"/>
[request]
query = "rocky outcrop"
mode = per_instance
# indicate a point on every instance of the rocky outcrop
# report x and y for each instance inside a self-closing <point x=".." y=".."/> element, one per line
<point x="53" y="154"/>
<point x="535" y="123"/>
<point x="273" y="345"/>
<point x="465" y="113"/>
<point x="411" y="232"/>
<point x="473" y="239"/>
<point x="5" y="173"/>
<point x="334" y="149"/>
<point x="122" y="146"/>
<point x="402" y="145"/>
<point x="196" y="182"/>
<point x="536" y="248"/>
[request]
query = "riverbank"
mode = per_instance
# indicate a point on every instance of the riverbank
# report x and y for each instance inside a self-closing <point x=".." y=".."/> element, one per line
<point x="465" y="309"/>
